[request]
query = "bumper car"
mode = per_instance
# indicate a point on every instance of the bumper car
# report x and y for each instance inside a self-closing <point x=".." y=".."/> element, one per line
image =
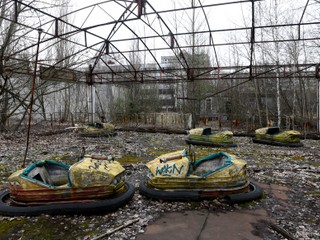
<point x="91" y="185"/>
<point x="204" y="137"/>
<point x="274" y="136"/>
<point x="179" y="176"/>
<point x="97" y="130"/>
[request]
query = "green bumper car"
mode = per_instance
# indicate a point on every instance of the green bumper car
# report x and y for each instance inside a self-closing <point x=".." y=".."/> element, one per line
<point x="274" y="136"/>
<point x="204" y="137"/>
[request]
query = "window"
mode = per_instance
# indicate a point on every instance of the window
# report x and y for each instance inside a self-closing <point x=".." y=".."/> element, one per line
<point x="208" y="104"/>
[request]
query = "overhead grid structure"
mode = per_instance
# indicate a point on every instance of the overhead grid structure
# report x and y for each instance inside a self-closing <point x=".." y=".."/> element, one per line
<point x="122" y="41"/>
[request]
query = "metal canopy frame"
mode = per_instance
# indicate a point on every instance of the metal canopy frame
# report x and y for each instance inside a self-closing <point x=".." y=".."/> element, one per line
<point x="108" y="59"/>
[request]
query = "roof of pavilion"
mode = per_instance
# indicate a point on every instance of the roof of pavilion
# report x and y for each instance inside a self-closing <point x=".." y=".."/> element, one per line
<point x="116" y="41"/>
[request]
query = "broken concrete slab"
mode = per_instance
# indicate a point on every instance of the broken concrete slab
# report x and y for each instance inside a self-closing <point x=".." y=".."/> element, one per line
<point x="203" y="225"/>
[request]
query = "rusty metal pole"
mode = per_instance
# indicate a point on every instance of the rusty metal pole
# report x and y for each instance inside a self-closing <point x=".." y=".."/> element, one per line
<point x="32" y="97"/>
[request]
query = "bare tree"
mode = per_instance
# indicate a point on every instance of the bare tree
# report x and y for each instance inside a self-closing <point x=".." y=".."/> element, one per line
<point x="10" y="87"/>
<point x="193" y="91"/>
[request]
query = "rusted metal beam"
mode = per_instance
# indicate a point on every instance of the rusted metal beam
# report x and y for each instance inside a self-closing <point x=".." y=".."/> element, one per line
<point x="32" y="97"/>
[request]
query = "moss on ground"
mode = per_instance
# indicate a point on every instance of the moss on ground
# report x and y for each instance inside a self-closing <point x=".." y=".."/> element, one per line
<point x="9" y="227"/>
<point x="3" y="167"/>
<point x="130" y="159"/>
<point x="315" y="164"/>
<point x="43" y="227"/>
<point x="298" y="158"/>
<point x="315" y="193"/>
<point x="155" y="152"/>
